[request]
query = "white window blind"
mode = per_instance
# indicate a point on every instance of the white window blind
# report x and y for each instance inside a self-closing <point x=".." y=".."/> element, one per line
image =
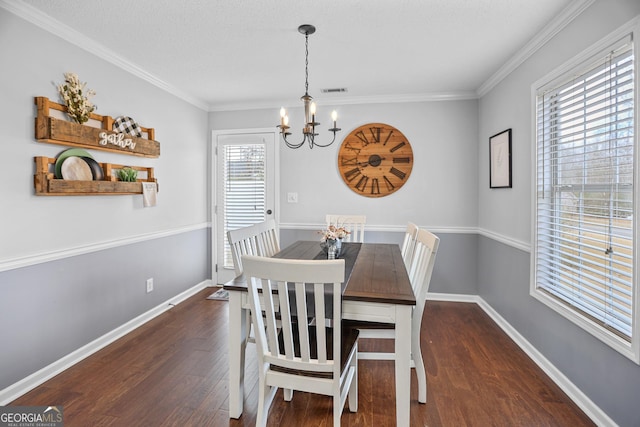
<point x="244" y="189"/>
<point x="584" y="191"/>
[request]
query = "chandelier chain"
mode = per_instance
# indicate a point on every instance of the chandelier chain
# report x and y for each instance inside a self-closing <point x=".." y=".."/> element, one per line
<point x="306" y="64"/>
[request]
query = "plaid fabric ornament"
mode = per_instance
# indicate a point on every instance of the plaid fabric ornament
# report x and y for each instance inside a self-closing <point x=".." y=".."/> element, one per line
<point x="127" y="125"/>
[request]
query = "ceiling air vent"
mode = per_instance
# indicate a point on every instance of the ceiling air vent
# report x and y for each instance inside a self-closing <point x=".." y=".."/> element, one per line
<point x="334" y="90"/>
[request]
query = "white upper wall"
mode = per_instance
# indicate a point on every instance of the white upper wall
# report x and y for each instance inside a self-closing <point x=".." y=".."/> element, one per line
<point x="31" y="225"/>
<point x="440" y="193"/>
<point x="507" y="212"/>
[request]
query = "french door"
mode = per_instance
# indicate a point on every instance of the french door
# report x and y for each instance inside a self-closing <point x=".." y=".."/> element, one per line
<point x="245" y="189"/>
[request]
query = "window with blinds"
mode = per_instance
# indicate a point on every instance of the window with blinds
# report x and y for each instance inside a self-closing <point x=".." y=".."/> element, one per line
<point x="584" y="196"/>
<point x="244" y="189"/>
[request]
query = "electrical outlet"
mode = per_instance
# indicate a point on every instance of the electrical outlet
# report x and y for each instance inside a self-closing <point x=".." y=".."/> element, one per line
<point x="149" y="285"/>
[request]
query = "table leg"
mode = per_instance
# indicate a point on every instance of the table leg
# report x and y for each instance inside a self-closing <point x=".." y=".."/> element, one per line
<point x="403" y="364"/>
<point x="237" y="345"/>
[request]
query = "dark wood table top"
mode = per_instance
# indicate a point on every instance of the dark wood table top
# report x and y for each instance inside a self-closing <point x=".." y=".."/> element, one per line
<point x="374" y="272"/>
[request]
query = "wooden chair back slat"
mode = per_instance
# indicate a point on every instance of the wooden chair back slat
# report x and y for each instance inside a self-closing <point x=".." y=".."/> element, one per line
<point x="421" y="267"/>
<point x="408" y="244"/>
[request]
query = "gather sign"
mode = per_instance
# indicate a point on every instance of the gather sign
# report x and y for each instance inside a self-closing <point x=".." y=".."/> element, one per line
<point x="117" y="139"/>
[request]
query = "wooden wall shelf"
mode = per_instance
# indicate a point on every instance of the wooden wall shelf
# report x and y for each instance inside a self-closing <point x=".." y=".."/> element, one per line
<point x="47" y="185"/>
<point x="57" y="131"/>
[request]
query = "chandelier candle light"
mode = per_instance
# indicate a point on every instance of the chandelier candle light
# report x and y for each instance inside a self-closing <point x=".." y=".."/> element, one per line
<point x="309" y="129"/>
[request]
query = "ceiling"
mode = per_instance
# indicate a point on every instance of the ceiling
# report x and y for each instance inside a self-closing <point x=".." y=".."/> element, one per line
<point x="224" y="55"/>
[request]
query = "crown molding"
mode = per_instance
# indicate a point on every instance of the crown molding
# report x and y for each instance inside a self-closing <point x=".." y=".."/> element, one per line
<point x="41" y="20"/>
<point x="547" y="33"/>
<point x="47" y="23"/>
<point x="353" y="100"/>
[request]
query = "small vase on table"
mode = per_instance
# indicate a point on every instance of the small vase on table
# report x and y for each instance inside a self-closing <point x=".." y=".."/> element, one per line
<point x="331" y="249"/>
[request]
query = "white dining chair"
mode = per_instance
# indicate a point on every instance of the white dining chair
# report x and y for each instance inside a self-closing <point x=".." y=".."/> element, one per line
<point x="409" y="242"/>
<point x="259" y="239"/>
<point x="419" y="270"/>
<point x="352" y="223"/>
<point x="305" y="356"/>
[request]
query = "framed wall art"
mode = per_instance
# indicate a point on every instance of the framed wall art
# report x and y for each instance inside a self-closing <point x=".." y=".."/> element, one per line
<point x="500" y="160"/>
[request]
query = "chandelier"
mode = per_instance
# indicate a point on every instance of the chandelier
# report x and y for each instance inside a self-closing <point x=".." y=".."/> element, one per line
<point x="309" y="130"/>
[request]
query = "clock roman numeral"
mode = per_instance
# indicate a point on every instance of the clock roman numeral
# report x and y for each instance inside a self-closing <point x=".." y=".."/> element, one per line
<point x="398" y="173"/>
<point x="362" y="184"/>
<point x="352" y="174"/>
<point x="348" y="146"/>
<point x="388" y="137"/>
<point x="362" y="137"/>
<point x="349" y="161"/>
<point x="375" y="134"/>
<point x="401" y="160"/>
<point x="375" y="186"/>
<point x="388" y="183"/>
<point x="399" y="146"/>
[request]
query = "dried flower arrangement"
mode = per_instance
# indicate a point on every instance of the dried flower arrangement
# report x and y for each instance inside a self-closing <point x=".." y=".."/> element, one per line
<point x="333" y="232"/>
<point x="76" y="98"/>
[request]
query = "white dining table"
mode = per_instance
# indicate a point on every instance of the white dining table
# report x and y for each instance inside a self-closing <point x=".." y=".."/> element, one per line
<point x="376" y="289"/>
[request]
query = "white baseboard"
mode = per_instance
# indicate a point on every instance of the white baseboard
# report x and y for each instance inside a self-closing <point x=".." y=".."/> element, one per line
<point x="16" y="390"/>
<point x="575" y="394"/>
<point x="432" y="296"/>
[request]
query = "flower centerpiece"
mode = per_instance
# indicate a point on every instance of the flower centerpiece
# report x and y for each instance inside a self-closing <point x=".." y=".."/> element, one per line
<point x="331" y="240"/>
<point x="76" y="98"/>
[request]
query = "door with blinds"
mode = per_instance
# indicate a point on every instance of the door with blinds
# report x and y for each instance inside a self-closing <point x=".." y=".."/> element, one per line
<point x="245" y="189"/>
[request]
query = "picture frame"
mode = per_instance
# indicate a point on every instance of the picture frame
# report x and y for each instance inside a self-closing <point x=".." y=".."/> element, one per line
<point x="500" y="160"/>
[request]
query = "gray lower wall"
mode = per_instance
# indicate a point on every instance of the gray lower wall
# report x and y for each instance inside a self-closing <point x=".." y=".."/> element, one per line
<point x="51" y="309"/>
<point x="606" y="377"/>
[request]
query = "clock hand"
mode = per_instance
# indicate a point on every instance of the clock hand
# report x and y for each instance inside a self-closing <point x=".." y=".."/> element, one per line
<point x="374" y="160"/>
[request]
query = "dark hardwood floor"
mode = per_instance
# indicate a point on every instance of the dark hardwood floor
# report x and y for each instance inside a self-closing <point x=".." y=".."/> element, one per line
<point x="173" y="372"/>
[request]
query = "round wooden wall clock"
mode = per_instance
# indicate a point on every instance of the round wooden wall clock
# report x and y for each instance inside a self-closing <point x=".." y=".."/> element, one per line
<point x="375" y="160"/>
